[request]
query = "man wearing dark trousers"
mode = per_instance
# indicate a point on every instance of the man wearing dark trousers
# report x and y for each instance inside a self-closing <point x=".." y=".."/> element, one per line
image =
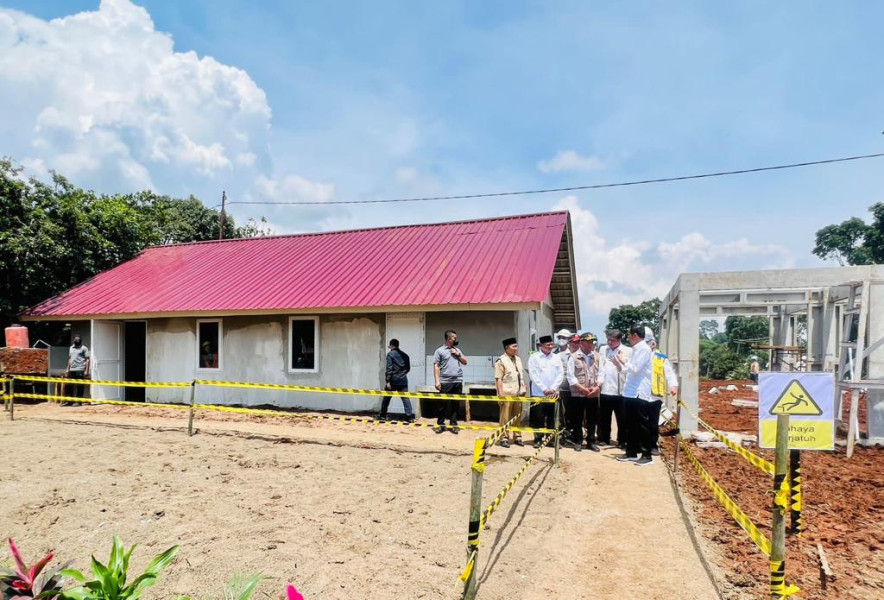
<point x="79" y="361"/>
<point x="637" y="395"/>
<point x="546" y="373"/>
<point x="582" y="375"/>
<point x="612" y="377"/>
<point x="398" y="366"/>
<point x="447" y="372"/>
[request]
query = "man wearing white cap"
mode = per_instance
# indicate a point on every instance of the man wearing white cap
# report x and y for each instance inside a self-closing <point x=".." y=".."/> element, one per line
<point x="564" y="347"/>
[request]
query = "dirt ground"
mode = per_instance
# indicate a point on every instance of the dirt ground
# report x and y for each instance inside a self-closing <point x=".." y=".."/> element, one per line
<point x="343" y="511"/>
<point x="843" y="511"/>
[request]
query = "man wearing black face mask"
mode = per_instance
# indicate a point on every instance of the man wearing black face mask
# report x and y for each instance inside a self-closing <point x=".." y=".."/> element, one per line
<point x="448" y="374"/>
<point x="78" y="366"/>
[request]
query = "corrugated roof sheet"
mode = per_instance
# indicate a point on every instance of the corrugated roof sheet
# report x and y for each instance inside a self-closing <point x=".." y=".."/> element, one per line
<point x="491" y="261"/>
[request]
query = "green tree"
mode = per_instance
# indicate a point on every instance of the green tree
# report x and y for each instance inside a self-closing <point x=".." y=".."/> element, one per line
<point x="853" y="242"/>
<point x="741" y="332"/>
<point x="54" y="235"/>
<point x="708" y="328"/>
<point x="626" y="315"/>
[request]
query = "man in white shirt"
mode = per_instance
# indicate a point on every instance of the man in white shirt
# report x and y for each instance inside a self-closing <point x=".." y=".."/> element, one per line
<point x="546" y="373"/>
<point x="636" y="394"/>
<point x="670" y="384"/>
<point x="612" y="377"/>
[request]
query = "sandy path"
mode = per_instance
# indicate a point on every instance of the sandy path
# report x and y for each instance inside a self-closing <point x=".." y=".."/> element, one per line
<point x="343" y="511"/>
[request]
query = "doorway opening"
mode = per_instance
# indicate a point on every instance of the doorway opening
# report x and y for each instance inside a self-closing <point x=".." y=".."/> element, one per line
<point x="135" y="359"/>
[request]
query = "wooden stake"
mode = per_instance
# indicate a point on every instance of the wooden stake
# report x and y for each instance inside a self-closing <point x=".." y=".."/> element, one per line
<point x="190" y="412"/>
<point x="826" y="574"/>
<point x="677" y="436"/>
<point x="556" y="423"/>
<point x="778" y="537"/>
<point x="474" y="526"/>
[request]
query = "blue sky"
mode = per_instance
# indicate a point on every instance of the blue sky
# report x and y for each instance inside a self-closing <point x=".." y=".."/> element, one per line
<point x="347" y="100"/>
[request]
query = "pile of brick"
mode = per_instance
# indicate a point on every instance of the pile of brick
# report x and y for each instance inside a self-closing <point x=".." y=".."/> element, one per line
<point x="24" y="361"/>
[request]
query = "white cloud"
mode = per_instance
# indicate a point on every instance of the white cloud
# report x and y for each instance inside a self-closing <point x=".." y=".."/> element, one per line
<point x="569" y="160"/>
<point x="629" y="271"/>
<point x="292" y="188"/>
<point x="104" y="98"/>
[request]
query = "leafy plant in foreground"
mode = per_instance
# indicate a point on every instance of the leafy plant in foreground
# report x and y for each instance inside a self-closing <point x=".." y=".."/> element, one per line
<point x="110" y="580"/>
<point x="238" y="588"/>
<point x="29" y="582"/>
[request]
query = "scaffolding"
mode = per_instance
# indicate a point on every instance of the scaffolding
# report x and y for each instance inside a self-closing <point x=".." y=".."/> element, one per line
<point x="842" y="309"/>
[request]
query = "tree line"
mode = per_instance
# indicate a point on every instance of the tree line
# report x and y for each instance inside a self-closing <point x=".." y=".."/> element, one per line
<point x="54" y="235"/>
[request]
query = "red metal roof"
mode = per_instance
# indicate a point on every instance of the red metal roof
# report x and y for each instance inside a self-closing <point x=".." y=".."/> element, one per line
<point x="490" y="261"/>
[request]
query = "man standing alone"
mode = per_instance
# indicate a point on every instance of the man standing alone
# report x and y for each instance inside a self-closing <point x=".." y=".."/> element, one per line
<point x="546" y="372"/>
<point x="79" y="361"/>
<point x="448" y="374"/>
<point x="398" y="366"/>
<point x="510" y="378"/>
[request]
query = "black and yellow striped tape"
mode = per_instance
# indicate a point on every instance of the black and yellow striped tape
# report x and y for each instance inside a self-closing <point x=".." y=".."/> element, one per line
<point x="752" y="458"/>
<point x="138" y="384"/>
<point x="275" y="413"/>
<point x="361" y="392"/>
<point x="730" y="506"/>
<point x="486" y="514"/>
<point x="778" y="586"/>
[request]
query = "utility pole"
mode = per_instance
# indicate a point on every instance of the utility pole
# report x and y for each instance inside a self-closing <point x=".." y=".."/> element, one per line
<point x="221" y="220"/>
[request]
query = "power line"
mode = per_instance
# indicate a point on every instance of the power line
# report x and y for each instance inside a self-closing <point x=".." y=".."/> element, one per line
<point x="575" y="188"/>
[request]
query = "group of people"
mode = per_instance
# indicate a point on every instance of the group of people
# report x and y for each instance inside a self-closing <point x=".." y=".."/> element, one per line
<point x="593" y="386"/>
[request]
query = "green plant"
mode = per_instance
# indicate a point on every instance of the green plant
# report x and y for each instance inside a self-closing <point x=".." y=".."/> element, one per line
<point x="29" y="582"/>
<point x="110" y="580"/>
<point x="239" y="587"/>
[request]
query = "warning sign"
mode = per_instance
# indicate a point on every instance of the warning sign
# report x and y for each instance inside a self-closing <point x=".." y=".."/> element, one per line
<point x="808" y="398"/>
<point x="795" y="400"/>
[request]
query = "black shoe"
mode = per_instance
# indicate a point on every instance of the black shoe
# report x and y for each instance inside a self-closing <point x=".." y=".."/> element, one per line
<point x="455" y="429"/>
<point x="655" y="452"/>
<point x="627" y="458"/>
<point x="644" y="460"/>
<point x="577" y="447"/>
<point x="409" y="419"/>
<point x="518" y="442"/>
<point x="538" y="443"/>
<point x="504" y="443"/>
<point x="439" y="428"/>
<point x="380" y="417"/>
<point x="594" y="447"/>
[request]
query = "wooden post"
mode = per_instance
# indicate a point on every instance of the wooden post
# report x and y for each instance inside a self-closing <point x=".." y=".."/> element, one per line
<point x="677" y="437"/>
<point x="556" y="424"/>
<point x="780" y="503"/>
<point x="795" y="500"/>
<point x="190" y="412"/>
<point x="475" y="524"/>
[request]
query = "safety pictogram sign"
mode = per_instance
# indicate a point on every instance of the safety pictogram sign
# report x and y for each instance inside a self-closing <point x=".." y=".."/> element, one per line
<point x="795" y="400"/>
<point x="809" y="400"/>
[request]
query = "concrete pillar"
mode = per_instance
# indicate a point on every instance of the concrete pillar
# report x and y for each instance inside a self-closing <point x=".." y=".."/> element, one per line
<point x="689" y="353"/>
<point x="876" y="329"/>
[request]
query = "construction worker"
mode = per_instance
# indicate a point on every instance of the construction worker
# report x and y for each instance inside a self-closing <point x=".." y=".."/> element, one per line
<point x="663" y="380"/>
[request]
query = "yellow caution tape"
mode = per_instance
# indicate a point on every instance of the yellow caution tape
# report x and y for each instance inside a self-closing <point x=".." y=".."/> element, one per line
<point x="360" y="392"/>
<point x="276" y="413"/>
<point x="730" y="506"/>
<point x="752" y="458"/>
<point x="479" y="455"/>
<point x="471" y="562"/>
<point x="778" y="586"/>
<point x="486" y="514"/>
<point x="142" y="384"/>
<point x="100" y="401"/>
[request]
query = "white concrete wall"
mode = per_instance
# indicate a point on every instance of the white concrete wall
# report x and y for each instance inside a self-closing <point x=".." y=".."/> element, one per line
<point x="255" y="349"/>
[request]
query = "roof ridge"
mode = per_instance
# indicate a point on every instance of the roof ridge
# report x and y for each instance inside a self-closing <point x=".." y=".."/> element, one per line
<point x="361" y="229"/>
